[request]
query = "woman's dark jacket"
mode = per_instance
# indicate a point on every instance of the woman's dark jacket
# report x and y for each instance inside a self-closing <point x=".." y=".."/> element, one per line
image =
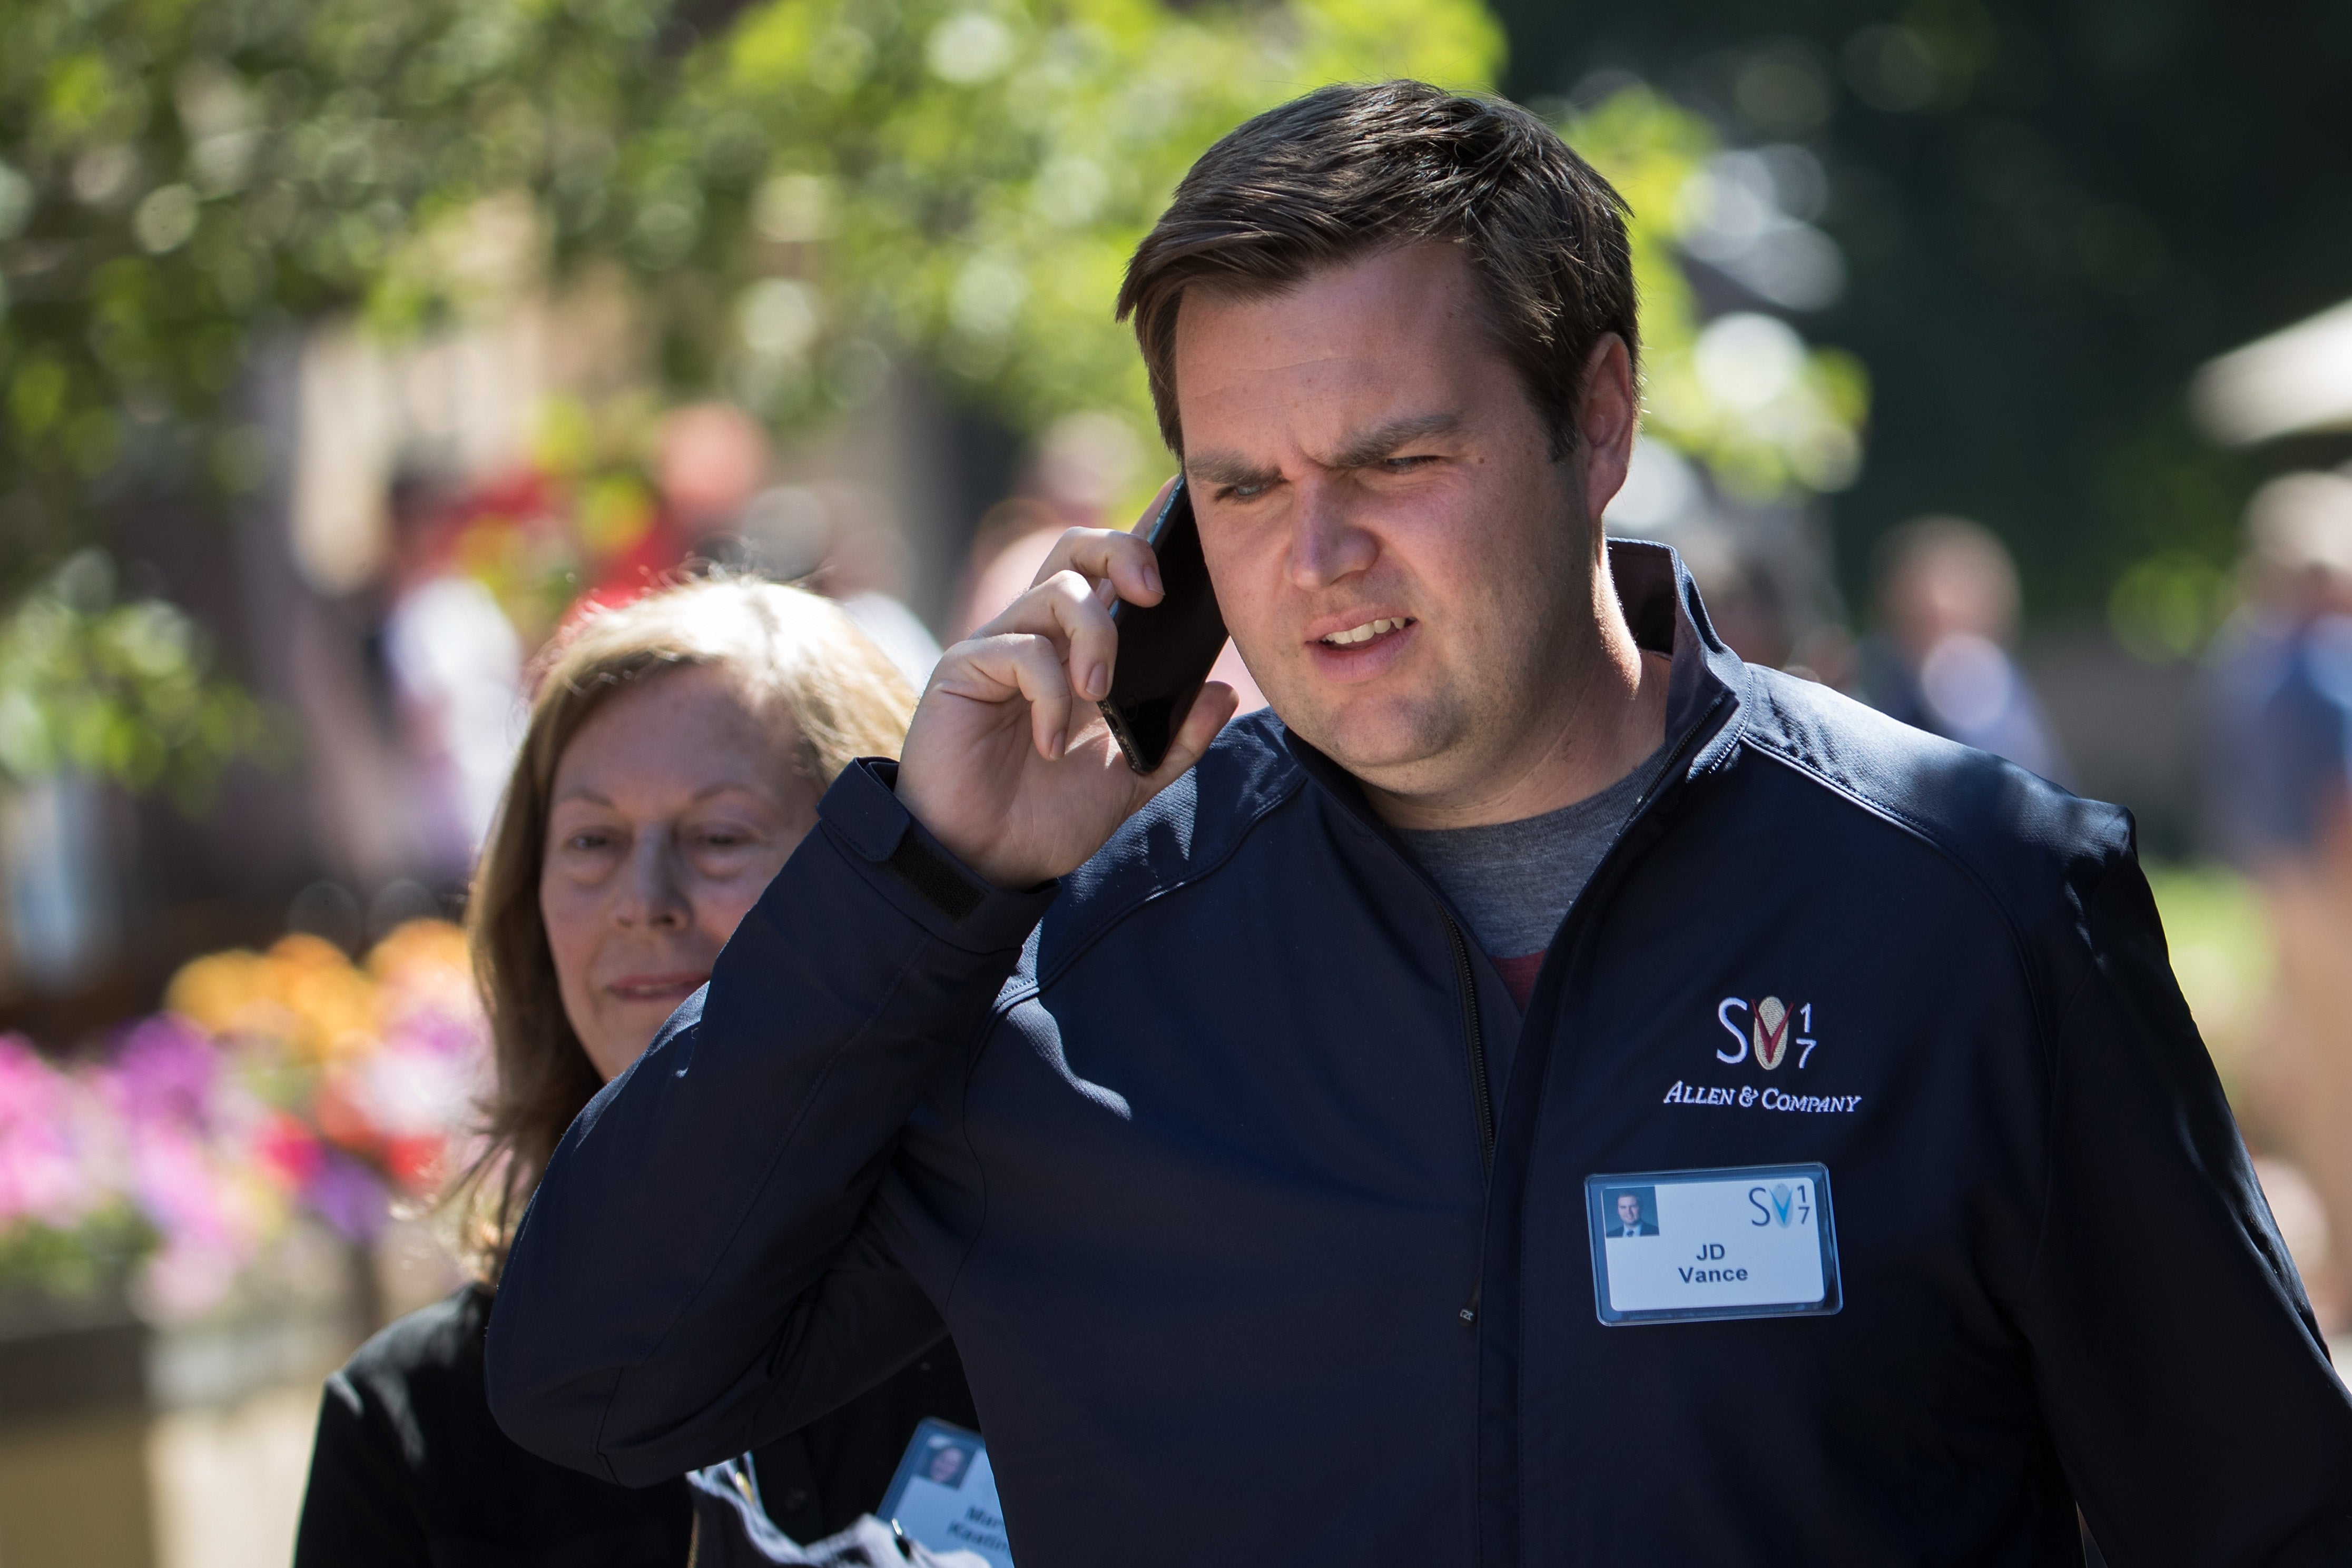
<point x="410" y="1469"/>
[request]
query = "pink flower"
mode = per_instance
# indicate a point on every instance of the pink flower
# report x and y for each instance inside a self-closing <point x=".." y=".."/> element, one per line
<point x="49" y="1171"/>
<point x="193" y="1141"/>
<point x="349" y="1196"/>
<point x="180" y="1190"/>
<point x="166" y="1071"/>
<point x="286" y="1151"/>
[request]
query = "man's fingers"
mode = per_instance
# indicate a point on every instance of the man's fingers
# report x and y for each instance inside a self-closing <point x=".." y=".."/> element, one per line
<point x="1118" y="557"/>
<point x="1045" y="681"/>
<point x="1110" y="555"/>
<point x="1210" y="710"/>
<point x="995" y="669"/>
<point x="1064" y="608"/>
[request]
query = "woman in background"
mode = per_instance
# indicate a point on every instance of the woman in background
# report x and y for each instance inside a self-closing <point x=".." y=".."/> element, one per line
<point x="675" y="752"/>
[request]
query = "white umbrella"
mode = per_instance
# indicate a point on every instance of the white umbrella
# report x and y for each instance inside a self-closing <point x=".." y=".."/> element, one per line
<point x="2294" y="380"/>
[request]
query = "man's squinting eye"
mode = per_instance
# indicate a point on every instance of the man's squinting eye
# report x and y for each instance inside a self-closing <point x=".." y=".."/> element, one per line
<point x="1242" y="492"/>
<point x="1405" y="464"/>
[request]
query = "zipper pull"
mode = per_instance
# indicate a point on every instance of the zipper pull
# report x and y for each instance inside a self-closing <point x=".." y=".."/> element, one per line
<point x="1469" y="1312"/>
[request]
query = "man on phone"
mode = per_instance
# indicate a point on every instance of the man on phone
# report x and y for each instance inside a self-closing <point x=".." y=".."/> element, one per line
<point x="1629" y="1216"/>
<point x="1240" y="1119"/>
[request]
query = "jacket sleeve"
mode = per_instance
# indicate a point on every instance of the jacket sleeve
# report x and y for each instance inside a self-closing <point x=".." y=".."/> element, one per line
<point x="691" y="1278"/>
<point x="2183" y="1378"/>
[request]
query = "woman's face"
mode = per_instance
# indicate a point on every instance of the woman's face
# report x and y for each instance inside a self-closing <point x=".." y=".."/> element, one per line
<point x="673" y="808"/>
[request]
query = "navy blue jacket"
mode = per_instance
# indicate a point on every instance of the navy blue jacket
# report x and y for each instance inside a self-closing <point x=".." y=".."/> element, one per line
<point x="1259" y="1213"/>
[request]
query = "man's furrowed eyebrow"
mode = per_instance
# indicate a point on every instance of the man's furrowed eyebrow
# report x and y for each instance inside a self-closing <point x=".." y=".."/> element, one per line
<point x="1370" y="446"/>
<point x="1382" y="440"/>
<point x="1228" y="468"/>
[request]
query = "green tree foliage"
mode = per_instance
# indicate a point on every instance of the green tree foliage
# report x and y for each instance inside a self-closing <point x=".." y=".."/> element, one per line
<point x="180" y="179"/>
<point x="2054" y="212"/>
<point x="177" y="175"/>
<point x="2222" y="954"/>
<point x="1770" y="417"/>
<point x="795" y="198"/>
<point x="840" y="177"/>
<point x="821" y="182"/>
<point x="116" y="690"/>
<point x="970" y="182"/>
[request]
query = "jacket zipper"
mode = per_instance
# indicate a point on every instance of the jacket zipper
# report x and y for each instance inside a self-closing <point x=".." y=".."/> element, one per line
<point x="1466" y="982"/>
<point x="1465" y="978"/>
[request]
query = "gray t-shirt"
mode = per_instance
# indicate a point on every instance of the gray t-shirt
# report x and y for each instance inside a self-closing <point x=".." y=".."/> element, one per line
<point x="1513" y="881"/>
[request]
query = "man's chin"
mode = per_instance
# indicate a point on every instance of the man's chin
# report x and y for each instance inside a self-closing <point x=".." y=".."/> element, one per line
<point x="1387" y="744"/>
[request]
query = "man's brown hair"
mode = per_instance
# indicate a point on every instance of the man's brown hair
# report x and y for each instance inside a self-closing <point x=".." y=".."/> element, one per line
<point x="1347" y="172"/>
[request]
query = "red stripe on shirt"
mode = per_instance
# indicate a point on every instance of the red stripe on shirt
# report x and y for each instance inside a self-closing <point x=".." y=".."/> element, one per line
<point x="1519" y="975"/>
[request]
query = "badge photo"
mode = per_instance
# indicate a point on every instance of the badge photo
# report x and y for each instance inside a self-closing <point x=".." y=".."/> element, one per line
<point x="1752" y="1241"/>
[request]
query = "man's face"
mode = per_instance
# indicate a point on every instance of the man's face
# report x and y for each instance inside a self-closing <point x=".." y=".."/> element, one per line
<point x="1629" y="1210"/>
<point x="1401" y="560"/>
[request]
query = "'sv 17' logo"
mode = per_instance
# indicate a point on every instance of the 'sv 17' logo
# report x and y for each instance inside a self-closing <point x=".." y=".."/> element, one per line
<point x="1786" y="1202"/>
<point x="1773" y="1027"/>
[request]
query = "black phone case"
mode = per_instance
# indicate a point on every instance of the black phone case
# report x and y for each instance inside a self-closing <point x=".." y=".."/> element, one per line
<point x="1165" y="650"/>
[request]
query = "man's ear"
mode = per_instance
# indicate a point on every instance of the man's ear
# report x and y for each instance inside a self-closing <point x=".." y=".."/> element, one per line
<point x="1606" y="417"/>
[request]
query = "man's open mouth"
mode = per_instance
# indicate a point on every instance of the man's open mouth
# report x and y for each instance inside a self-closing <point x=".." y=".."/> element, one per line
<point x="1366" y="632"/>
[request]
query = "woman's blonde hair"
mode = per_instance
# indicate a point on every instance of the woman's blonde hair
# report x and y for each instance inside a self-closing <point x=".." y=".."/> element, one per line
<point x="791" y="651"/>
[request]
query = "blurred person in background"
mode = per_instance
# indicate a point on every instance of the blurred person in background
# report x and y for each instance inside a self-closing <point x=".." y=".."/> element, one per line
<point x="1011" y="543"/>
<point x="711" y="466"/>
<point x="865" y="570"/>
<point x="454" y="665"/>
<point x="709" y="462"/>
<point x="845" y="541"/>
<point x="710" y="459"/>
<point x="408" y="689"/>
<point x="1947" y="605"/>
<point x="674" y="755"/>
<point x="1080" y="470"/>
<point x="2279" y="715"/>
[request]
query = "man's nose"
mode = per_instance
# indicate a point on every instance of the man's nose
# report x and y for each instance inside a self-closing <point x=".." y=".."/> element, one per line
<point x="1327" y="544"/>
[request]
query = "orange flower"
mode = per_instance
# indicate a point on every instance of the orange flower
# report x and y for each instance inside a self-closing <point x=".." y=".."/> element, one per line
<point x="302" y="995"/>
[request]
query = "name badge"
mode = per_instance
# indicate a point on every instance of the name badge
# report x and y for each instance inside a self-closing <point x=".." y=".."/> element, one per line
<point x="1752" y="1242"/>
<point x="944" y="1496"/>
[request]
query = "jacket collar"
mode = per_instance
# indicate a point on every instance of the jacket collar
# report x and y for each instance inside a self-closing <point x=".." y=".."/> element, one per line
<point x="1704" y="690"/>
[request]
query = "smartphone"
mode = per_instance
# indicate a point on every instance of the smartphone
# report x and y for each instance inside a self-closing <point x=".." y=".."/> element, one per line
<point x="1165" y="650"/>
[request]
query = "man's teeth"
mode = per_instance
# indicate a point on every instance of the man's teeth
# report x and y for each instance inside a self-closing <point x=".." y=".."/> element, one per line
<point x="1366" y="632"/>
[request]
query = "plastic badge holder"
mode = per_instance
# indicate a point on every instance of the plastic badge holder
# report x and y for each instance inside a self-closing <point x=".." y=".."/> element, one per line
<point x="944" y="1495"/>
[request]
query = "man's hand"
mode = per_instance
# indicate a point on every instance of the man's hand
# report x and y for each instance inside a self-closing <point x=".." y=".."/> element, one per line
<point x="1008" y="762"/>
